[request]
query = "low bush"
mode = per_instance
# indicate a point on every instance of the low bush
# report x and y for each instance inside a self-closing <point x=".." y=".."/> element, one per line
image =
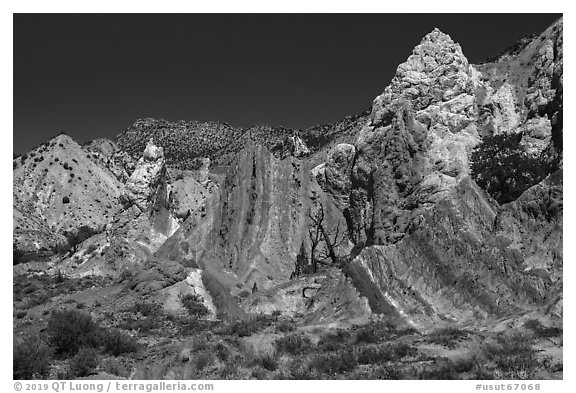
<point x="334" y="362"/>
<point x="379" y="371"/>
<point x="541" y="331"/>
<point x="292" y="344"/>
<point x="440" y="369"/>
<point x="203" y="359"/>
<point x="194" y="305"/>
<point x="146" y="309"/>
<point x="267" y="361"/>
<point x="31" y="359"/>
<point x="285" y="326"/>
<point x="384" y="353"/>
<point x="513" y="355"/>
<point x="222" y="352"/>
<point x="115" y="367"/>
<point x="117" y="343"/>
<point x="333" y="341"/>
<point x="69" y="330"/>
<point x="84" y="362"/>
<point x="244" y="328"/>
<point x="448" y="337"/>
<point x="299" y="370"/>
<point x="367" y="335"/>
<point x="144" y="325"/>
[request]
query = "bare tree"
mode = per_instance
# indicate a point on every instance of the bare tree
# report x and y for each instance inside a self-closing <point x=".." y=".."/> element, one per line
<point x="332" y="239"/>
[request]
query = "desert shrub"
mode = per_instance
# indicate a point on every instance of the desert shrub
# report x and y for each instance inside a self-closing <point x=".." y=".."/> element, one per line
<point x="84" y="362"/>
<point x="465" y="365"/>
<point x="333" y="341"/>
<point x="31" y="359"/>
<point x="146" y="309"/>
<point x="193" y="304"/>
<point x="501" y="167"/>
<point x="116" y="343"/>
<point x="299" y="370"/>
<point x="188" y="326"/>
<point x="39" y="298"/>
<point x="222" y="352"/>
<point x="144" y="325"/>
<point x="541" y="331"/>
<point x="367" y="335"/>
<point x="440" y="369"/>
<point x="248" y="327"/>
<point x="292" y="344"/>
<point x="285" y="326"/>
<point x="447" y="337"/>
<point x="68" y="330"/>
<point x="203" y="359"/>
<point x="378" y="371"/>
<point x="258" y="373"/>
<point x="334" y="362"/>
<point x="115" y="367"/>
<point x="513" y="355"/>
<point x="384" y="353"/>
<point x="266" y="360"/>
<point x="227" y="372"/>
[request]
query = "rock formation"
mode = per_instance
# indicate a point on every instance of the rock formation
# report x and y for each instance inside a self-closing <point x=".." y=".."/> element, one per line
<point x="522" y="92"/>
<point x="58" y="188"/>
<point x="146" y="219"/>
<point x="468" y="260"/>
<point x="254" y="226"/>
<point x="424" y="239"/>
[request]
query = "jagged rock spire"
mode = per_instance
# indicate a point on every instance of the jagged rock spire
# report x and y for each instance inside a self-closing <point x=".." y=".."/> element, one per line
<point x="436" y="71"/>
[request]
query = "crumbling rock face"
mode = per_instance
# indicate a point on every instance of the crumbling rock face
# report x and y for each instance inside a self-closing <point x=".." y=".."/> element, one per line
<point x="532" y="224"/>
<point x="415" y="147"/>
<point x="158" y="275"/>
<point x="252" y="228"/>
<point x="146" y="217"/>
<point x="417" y="143"/>
<point x="456" y="266"/>
<point x="326" y="298"/>
<point x="525" y="88"/>
<point x="334" y="176"/>
<point x="436" y="71"/>
<point x="187" y="195"/>
<point x="107" y="154"/>
<point x="297" y="147"/>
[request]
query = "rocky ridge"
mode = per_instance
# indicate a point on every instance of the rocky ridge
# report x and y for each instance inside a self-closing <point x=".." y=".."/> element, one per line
<point x="59" y="187"/>
<point x="423" y="244"/>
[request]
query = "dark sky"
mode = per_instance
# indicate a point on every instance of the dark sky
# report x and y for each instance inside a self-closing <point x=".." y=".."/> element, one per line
<point x="93" y="75"/>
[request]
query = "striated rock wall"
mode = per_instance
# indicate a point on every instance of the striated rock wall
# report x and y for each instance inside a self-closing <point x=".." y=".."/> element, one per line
<point x="254" y="225"/>
<point x="467" y="260"/>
